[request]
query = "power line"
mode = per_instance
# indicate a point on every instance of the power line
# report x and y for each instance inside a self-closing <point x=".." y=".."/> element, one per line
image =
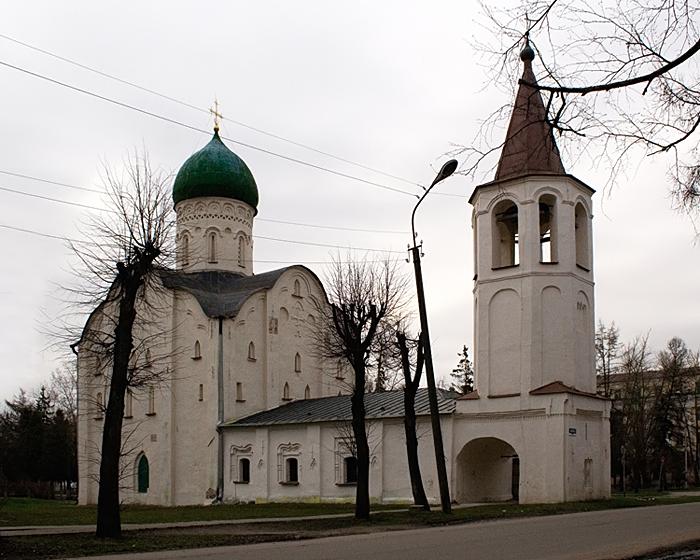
<point x="51" y="199"/>
<point x="48" y="235"/>
<point x="203" y="110"/>
<point x="272" y="220"/>
<point x="341" y="228"/>
<point x="309" y="243"/>
<point x="78" y="241"/>
<point x="196" y="129"/>
<point x="326" y="245"/>
<point x="52" y="182"/>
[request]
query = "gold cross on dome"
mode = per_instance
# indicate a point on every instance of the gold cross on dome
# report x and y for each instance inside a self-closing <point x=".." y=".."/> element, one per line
<point x="215" y="111"/>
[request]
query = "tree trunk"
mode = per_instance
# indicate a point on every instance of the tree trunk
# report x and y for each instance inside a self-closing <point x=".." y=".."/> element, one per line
<point x="361" y="445"/>
<point x="409" y="424"/>
<point x="108" y="517"/>
<point x="411" y="383"/>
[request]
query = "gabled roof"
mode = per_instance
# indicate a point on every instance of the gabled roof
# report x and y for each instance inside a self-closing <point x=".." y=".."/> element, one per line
<point x="557" y="387"/>
<point x="220" y="293"/>
<point x="337" y="409"/>
<point x="529" y="147"/>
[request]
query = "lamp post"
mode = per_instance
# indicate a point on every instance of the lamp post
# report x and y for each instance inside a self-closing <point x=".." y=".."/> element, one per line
<point x="446" y="170"/>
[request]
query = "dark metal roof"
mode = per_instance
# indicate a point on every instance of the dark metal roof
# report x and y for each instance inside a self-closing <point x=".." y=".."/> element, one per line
<point x="529" y="146"/>
<point x="337" y="409"/>
<point x="220" y="293"/>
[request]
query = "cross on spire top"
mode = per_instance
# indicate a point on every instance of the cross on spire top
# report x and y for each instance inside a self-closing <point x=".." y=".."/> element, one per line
<point x="217" y="115"/>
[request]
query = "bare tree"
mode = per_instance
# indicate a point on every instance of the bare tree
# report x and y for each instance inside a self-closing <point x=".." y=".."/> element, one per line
<point x="411" y="384"/>
<point x="122" y="339"/>
<point x="365" y="298"/>
<point x="637" y="409"/>
<point x="607" y="351"/>
<point x="386" y="370"/>
<point x="618" y="79"/>
<point x="672" y="413"/>
<point x="63" y="388"/>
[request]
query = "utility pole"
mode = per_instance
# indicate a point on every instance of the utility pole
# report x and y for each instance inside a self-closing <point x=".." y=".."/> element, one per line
<point x="447" y="170"/>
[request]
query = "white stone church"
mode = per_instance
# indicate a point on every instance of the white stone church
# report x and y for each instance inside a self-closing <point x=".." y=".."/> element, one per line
<point x="249" y="414"/>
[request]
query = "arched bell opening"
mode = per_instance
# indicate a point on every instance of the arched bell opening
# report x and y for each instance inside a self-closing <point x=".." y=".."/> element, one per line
<point x="548" y="238"/>
<point x="505" y="235"/>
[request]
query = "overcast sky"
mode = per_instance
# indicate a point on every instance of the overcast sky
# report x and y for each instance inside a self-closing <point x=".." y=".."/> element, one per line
<point x="390" y="85"/>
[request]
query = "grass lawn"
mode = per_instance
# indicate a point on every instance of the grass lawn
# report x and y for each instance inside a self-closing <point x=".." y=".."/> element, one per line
<point x="26" y="511"/>
<point x="44" y="547"/>
<point x="34" y="548"/>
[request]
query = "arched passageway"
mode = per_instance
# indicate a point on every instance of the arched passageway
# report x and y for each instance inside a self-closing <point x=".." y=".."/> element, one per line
<point x="488" y="470"/>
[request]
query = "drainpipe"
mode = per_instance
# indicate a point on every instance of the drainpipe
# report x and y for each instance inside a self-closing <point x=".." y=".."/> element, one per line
<point x="566" y="448"/>
<point x="74" y="349"/>
<point x="220" y="417"/>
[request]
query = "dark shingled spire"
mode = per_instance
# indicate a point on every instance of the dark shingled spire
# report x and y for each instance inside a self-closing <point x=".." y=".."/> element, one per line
<point x="529" y="147"/>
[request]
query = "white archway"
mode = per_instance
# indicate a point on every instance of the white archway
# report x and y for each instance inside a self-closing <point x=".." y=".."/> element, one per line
<point x="488" y="470"/>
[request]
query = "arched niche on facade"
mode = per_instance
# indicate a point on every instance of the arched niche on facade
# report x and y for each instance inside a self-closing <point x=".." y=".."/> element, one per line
<point x="582" y="225"/>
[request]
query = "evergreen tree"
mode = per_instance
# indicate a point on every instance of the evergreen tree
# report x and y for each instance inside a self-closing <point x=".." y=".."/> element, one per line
<point x="463" y="374"/>
<point x="37" y="444"/>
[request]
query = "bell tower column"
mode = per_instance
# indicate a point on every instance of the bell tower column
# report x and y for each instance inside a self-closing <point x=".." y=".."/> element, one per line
<point x="533" y="287"/>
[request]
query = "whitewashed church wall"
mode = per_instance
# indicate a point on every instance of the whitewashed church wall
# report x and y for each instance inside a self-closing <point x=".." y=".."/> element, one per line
<point x="194" y="410"/>
<point x="292" y="318"/>
<point x="250" y="372"/>
<point x="332" y="450"/>
<point x="288" y="442"/>
<point x="561" y="441"/>
<point x="320" y="449"/>
<point x="525" y="433"/>
<point x="147" y="422"/>
<point x="396" y="476"/>
<point x="588" y="463"/>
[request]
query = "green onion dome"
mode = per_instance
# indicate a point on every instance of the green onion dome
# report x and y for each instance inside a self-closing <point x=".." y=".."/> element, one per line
<point x="215" y="171"/>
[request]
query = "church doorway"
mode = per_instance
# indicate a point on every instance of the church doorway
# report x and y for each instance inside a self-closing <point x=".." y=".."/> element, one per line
<point x="488" y="470"/>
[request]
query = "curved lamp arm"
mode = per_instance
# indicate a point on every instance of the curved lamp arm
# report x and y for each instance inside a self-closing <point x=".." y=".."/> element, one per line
<point x="445" y="171"/>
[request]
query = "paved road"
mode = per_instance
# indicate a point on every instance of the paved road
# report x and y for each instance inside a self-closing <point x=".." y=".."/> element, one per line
<point x="603" y="535"/>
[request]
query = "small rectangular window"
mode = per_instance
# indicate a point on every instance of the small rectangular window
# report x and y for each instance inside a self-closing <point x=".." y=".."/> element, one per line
<point x="201" y="392"/>
<point x="292" y="470"/>
<point x="239" y="392"/>
<point x="350" y="464"/>
<point x="244" y="470"/>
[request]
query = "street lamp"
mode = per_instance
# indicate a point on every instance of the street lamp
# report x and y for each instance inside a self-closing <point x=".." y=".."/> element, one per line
<point x="447" y="170"/>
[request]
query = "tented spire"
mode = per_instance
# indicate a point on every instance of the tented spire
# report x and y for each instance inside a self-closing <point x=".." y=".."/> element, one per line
<point x="529" y="147"/>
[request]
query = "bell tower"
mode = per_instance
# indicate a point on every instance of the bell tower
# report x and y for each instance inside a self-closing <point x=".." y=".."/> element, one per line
<point x="533" y="287"/>
<point x="534" y="416"/>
